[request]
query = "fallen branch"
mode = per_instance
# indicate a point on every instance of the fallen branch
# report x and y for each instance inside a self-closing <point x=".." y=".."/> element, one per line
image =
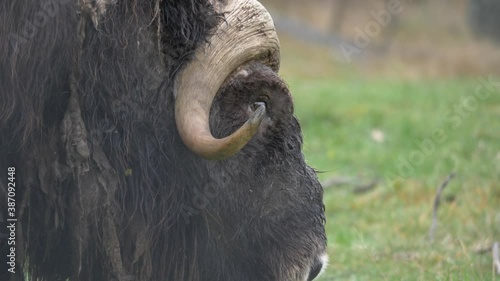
<point x="359" y="185"/>
<point x="365" y="187"/>
<point x="437" y="200"/>
<point x="496" y="257"/>
<point x="337" y="181"/>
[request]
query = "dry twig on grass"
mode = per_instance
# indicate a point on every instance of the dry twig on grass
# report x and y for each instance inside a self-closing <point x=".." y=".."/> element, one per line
<point x="437" y="200"/>
<point x="359" y="185"/>
<point x="365" y="187"/>
<point x="337" y="181"/>
<point x="496" y="257"/>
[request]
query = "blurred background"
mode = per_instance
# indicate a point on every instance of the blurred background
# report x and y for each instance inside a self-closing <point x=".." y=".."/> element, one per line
<point x="394" y="96"/>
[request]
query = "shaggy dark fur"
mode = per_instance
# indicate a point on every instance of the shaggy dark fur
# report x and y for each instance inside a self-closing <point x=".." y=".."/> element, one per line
<point x="106" y="190"/>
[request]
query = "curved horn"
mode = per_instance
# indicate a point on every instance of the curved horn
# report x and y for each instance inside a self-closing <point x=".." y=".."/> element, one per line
<point x="247" y="34"/>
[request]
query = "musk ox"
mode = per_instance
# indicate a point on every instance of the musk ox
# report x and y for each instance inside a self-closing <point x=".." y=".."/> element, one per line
<point x="151" y="140"/>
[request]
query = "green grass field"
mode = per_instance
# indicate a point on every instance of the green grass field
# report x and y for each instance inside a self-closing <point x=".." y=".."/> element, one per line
<point x="430" y="128"/>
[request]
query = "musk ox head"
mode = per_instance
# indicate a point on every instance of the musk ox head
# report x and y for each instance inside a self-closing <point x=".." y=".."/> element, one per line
<point x="155" y="142"/>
